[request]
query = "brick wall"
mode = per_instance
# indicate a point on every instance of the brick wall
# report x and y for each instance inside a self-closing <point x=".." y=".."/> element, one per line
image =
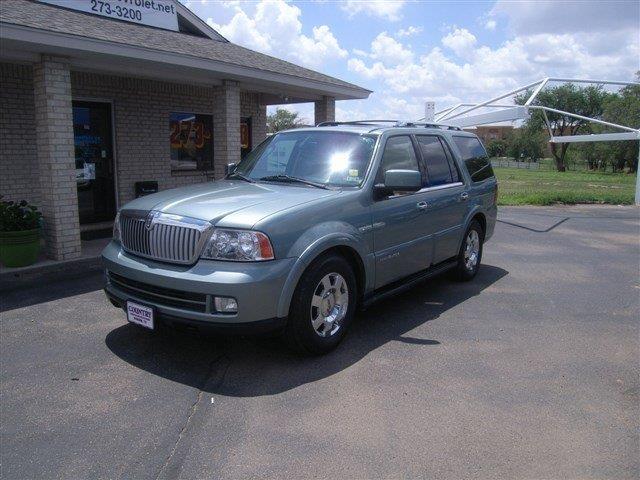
<point x="325" y="110"/>
<point x="18" y="163"/>
<point x="250" y="107"/>
<point x="141" y="111"/>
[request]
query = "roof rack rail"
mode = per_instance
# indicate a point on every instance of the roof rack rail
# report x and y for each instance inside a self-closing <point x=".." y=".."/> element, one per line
<point x="395" y="123"/>
<point x="442" y="126"/>
<point x="355" y="122"/>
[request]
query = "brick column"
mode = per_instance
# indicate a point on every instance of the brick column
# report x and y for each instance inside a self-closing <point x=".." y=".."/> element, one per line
<point x="226" y="127"/>
<point x="259" y="126"/>
<point x="56" y="158"/>
<point x="325" y="110"/>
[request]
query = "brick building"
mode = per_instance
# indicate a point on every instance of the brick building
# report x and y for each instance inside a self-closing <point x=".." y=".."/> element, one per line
<point x="91" y="104"/>
<point x="487" y="133"/>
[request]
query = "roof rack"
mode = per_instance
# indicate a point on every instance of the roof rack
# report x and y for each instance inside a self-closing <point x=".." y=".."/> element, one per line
<point x="356" y="122"/>
<point x="395" y="123"/>
<point x="442" y="126"/>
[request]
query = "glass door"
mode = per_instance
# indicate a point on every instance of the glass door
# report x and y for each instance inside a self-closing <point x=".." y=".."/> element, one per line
<point x="92" y="131"/>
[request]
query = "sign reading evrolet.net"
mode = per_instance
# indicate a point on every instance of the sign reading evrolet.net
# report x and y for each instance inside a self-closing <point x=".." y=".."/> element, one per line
<point x="155" y="13"/>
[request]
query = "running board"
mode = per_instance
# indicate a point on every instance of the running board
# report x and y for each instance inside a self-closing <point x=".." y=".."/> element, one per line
<point x="407" y="283"/>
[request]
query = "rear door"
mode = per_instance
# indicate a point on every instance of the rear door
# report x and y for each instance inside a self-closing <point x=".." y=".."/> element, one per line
<point x="445" y="194"/>
<point x="402" y="242"/>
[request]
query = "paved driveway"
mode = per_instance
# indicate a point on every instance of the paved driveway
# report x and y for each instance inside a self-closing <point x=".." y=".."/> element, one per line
<point x="530" y="371"/>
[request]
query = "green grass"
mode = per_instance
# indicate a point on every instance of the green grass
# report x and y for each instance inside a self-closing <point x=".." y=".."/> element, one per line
<point x="540" y="187"/>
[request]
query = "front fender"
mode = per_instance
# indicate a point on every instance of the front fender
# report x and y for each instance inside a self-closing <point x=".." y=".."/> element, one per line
<point x="312" y="244"/>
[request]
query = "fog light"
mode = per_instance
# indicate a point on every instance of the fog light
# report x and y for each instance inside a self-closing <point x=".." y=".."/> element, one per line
<point x="226" y="305"/>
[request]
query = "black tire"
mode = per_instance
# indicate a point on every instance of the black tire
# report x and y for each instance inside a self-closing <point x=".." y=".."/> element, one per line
<point x="299" y="333"/>
<point x="462" y="272"/>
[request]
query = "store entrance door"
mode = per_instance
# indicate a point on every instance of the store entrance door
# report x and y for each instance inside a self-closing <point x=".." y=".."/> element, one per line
<point x="93" y="140"/>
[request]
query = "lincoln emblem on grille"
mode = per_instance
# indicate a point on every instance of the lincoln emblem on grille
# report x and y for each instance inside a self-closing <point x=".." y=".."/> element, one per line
<point x="151" y="220"/>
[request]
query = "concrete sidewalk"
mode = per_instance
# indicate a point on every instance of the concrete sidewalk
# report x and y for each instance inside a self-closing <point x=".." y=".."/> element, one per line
<point x="45" y="267"/>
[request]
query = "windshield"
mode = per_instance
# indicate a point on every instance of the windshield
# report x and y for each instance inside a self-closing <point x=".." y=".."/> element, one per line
<point x="327" y="158"/>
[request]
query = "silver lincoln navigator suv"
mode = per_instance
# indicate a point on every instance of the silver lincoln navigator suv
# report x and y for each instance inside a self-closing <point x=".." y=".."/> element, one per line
<point x="312" y="224"/>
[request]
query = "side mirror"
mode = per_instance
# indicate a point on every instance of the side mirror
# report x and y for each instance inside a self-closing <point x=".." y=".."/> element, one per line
<point x="229" y="168"/>
<point x="401" y="181"/>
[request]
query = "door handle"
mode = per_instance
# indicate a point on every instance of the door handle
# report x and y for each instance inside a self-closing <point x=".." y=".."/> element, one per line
<point x="422" y="205"/>
<point x="464" y="196"/>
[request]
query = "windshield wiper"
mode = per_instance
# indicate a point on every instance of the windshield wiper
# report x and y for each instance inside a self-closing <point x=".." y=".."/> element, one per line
<point x="241" y="177"/>
<point x="291" y="179"/>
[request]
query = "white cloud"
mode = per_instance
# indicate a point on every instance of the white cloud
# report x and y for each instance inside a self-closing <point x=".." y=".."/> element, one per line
<point x="276" y="27"/>
<point x="461" y="41"/>
<point x="490" y="24"/>
<point x="409" y="31"/>
<point x="478" y="72"/>
<point x="385" y="9"/>
<point x="389" y="51"/>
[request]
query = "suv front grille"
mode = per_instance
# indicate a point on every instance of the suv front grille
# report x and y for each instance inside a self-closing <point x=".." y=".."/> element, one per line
<point x="196" y="302"/>
<point x="162" y="236"/>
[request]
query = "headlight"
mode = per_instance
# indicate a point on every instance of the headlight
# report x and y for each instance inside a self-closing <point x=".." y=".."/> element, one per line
<point x="238" y="245"/>
<point x="116" y="228"/>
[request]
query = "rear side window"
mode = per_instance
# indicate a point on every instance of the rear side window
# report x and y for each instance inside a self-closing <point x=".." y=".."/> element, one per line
<point x="440" y="171"/>
<point x="475" y="158"/>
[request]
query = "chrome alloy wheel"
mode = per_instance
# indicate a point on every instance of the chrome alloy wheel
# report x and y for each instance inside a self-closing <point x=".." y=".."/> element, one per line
<point x="471" y="250"/>
<point x="329" y="304"/>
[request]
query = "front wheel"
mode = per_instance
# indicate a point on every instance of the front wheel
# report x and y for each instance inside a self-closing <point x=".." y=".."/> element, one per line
<point x="322" y="307"/>
<point x="470" y="254"/>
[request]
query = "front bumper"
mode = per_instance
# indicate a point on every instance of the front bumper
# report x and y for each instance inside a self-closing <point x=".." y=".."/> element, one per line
<point x="185" y="294"/>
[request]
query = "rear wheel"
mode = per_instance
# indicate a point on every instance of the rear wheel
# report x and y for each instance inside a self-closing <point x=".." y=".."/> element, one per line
<point x="322" y="307"/>
<point x="470" y="254"/>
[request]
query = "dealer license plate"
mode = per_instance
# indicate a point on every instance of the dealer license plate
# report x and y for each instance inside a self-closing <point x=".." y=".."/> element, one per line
<point x="140" y="314"/>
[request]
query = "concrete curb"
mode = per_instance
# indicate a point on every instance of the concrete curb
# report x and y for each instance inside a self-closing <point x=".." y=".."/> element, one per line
<point x="49" y="272"/>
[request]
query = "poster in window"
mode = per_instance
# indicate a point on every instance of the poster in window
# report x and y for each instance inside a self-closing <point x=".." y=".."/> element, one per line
<point x="245" y="136"/>
<point x="191" y="139"/>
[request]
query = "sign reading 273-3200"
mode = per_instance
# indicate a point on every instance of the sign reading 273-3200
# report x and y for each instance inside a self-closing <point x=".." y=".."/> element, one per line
<point x="156" y="13"/>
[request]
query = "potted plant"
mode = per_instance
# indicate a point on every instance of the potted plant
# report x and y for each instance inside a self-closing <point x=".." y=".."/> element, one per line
<point x="19" y="233"/>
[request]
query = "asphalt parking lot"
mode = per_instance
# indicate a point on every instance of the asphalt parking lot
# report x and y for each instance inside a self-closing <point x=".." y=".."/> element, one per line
<point x="530" y="371"/>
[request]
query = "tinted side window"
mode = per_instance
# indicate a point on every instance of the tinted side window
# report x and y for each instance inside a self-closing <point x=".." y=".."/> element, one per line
<point x="475" y="158"/>
<point x="398" y="155"/>
<point x="435" y="158"/>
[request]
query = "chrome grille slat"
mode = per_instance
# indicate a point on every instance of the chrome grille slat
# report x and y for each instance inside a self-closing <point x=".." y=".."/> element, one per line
<point x="170" y="238"/>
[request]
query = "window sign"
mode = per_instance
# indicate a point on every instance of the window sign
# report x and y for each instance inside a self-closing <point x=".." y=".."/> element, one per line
<point x="191" y="141"/>
<point x="155" y="13"/>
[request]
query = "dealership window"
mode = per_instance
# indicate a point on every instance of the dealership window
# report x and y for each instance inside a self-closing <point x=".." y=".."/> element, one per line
<point x="191" y="140"/>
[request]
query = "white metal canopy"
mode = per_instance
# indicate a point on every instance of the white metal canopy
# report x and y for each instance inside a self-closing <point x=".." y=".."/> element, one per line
<point x="458" y="115"/>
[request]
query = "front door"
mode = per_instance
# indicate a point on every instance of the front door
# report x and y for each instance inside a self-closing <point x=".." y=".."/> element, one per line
<point x="402" y="238"/>
<point x="94" y="161"/>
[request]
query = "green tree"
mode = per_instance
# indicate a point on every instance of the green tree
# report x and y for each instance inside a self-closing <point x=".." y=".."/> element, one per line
<point x="624" y="109"/>
<point x="527" y="142"/>
<point x="586" y="101"/>
<point x="497" y="148"/>
<point x="283" y="119"/>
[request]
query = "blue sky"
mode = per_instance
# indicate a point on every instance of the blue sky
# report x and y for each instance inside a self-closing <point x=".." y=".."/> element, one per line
<point x="408" y="52"/>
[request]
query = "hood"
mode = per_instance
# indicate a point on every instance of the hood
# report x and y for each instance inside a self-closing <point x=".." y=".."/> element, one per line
<point x="230" y="203"/>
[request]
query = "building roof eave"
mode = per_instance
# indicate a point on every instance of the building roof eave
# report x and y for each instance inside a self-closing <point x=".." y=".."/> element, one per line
<point x="71" y="45"/>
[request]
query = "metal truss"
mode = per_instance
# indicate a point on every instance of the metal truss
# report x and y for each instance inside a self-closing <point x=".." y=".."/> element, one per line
<point x="458" y="115"/>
